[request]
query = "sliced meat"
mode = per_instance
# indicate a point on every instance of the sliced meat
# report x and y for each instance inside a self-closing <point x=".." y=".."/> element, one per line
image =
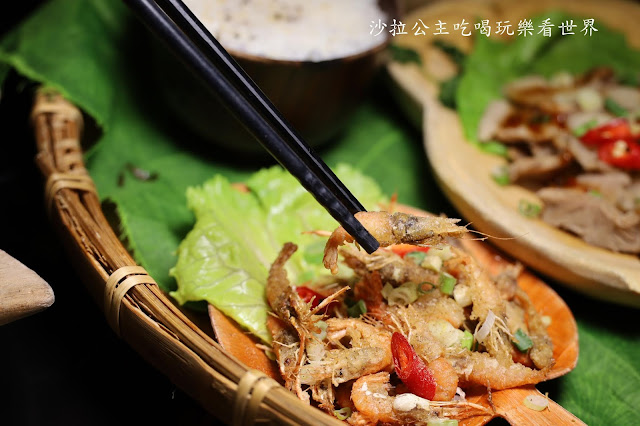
<point x="587" y="158"/>
<point x="524" y="132"/>
<point x="605" y="182"/>
<point x="537" y="92"/>
<point x="592" y="218"/>
<point x="598" y="77"/>
<point x="496" y="113"/>
<point x="537" y="167"/>
<point x="612" y="185"/>
<point x="629" y="200"/>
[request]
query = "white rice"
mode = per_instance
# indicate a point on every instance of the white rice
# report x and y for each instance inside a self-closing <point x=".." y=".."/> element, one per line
<point x="314" y="30"/>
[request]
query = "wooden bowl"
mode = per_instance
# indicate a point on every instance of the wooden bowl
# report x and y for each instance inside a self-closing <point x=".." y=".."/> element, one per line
<point x="317" y="98"/>
<point x="464" y="173"/>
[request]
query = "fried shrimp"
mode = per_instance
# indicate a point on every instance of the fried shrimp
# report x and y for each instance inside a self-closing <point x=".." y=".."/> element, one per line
<point x="286" y="347"/>
<point x="393" y="269"/>
<point x="356" y="349"/>
<point x="370" y="396"/>
<point x="292" y="334"/>
<point x="394" y="228"/>
<point x="480" y="368"/>
<point x="446" y="379"/>
<point x="377" y="401"/>
<point x="423" y="323"/>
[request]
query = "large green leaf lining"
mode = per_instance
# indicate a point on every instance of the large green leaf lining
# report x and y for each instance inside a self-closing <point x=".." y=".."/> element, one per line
<point x="89" y="49"/>
<point x="226" y="257"/>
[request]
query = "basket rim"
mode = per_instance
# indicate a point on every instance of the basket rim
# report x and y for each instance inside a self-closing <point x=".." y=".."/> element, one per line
<point x="143" y="313"/>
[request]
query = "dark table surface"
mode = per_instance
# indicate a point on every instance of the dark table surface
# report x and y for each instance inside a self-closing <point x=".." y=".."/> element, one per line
<point x="64" y="366"/>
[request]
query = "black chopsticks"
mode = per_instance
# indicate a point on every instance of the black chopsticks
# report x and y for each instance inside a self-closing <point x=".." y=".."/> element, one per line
<point x="174" y="23"/>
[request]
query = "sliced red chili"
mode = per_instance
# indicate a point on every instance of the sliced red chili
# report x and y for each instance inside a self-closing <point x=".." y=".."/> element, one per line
<point x="403" y="249"/>
<point x="315" y="298"/>
<point x="411" y="369"/>
<point x="309" y="296"/>
<point x="628" y="159"/>
<point x="616" y="129"/>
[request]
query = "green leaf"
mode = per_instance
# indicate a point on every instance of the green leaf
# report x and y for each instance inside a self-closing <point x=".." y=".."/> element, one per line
<point x="404" y="54"/>
<point x="529" y="209"/>
<point x="457" y="56"/>
<point x="494" y="147"/>
<point x="226" y="257"/>
<point x="448" y="91"/>
<point x="603" y="388"/>
<point x="4" y="70"/>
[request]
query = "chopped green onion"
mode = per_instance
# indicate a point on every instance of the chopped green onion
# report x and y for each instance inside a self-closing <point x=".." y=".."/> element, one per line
<point x="447" y="282"/>
<point x="467" y="340"/>
<point x="425" y="287"/>
<point x="536" y="402"/>
<point x="494" y="147"/>
<point x="589" y="99"/>
<point x="442" y="422"/>
<point x="433" y="263"/>
<point x="629" y="78"/>
<point x="475" y="346"/>
<point x="342" y="414"/>
<point x="462" y="295"/>
<point x="448" y="92"/>
<point x="416" y="256"/>
<point x="501" y="176"/>
<point x="386" y="290"/>
<point x="443" y="252"/>
<point x="529" y="209"/>
<point x="456" y="55"/>
<point x="360" y="308"/>
<point x="405" y="54"/>
<point x="323" y="330"/>
<point x="584" y="128"/>
<point x="522" y="341"/>
<point x="403" y="295"/>
<point x="614" y="108"/>
<point x="595" y="193"/>
<point x="444" y="332"/>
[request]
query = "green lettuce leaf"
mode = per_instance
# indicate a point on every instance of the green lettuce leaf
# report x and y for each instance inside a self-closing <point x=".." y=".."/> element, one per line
<point x="225" y="259"/>
<point x="491" y="63"/>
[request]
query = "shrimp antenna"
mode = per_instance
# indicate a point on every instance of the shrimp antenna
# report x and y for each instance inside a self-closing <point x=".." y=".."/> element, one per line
<point x="487" y="236"/>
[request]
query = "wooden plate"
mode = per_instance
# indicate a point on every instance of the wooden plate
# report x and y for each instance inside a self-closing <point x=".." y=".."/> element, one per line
<point x="463" y="171"/>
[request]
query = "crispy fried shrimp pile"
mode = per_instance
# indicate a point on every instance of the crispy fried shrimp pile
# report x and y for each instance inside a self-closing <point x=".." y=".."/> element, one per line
<point x="411" y="329"/>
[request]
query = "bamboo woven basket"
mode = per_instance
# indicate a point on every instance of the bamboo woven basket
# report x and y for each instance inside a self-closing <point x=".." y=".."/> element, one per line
<point x="137" y="310"/>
